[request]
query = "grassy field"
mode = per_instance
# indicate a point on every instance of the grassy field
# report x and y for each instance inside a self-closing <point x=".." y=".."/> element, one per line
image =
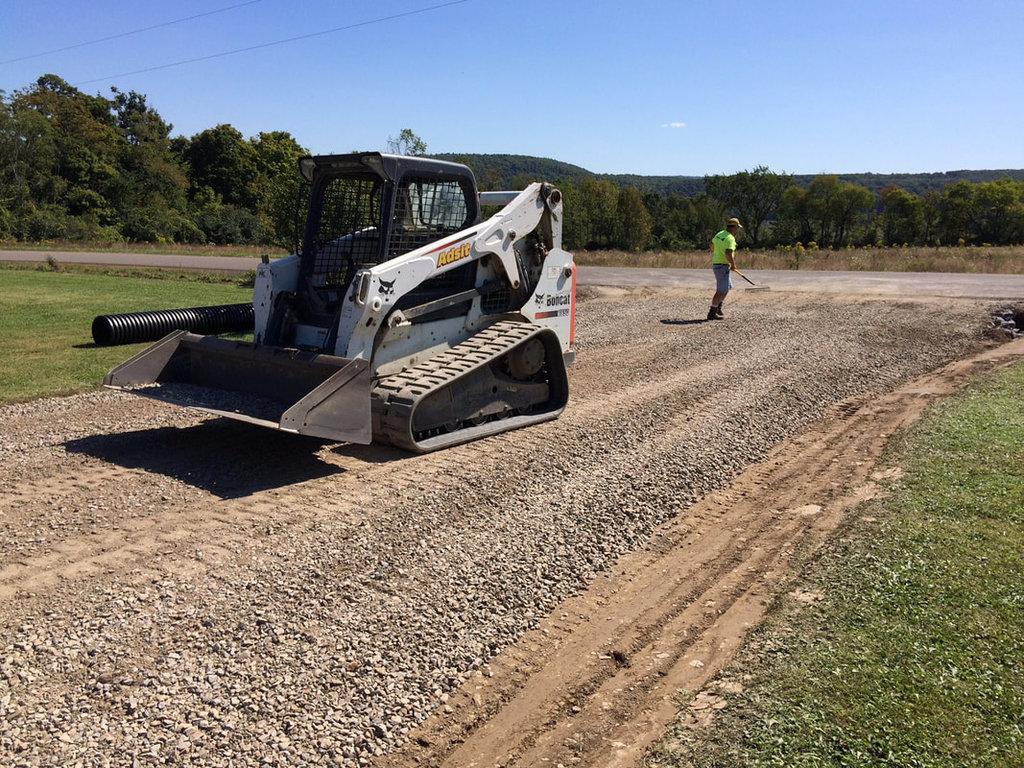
<point x="914" y="656"/>
<point x="184" y="249"/>
<point x="994" y="260"/>
<point x="46" y="319"/>
<point x="244" y="279"/>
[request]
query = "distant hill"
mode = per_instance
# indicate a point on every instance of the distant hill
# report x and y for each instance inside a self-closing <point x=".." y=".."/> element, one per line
<point x="500" y="171"/>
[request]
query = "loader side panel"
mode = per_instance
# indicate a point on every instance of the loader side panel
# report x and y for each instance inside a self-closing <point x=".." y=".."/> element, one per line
<point x="553" y="303"/>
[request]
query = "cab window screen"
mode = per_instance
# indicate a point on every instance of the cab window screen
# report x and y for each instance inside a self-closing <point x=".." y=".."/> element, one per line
<point x="348" y="234"/>
<point x="426" y="210"/>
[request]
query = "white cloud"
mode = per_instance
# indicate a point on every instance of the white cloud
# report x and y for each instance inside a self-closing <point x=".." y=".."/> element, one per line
<point x="674" y="125"/>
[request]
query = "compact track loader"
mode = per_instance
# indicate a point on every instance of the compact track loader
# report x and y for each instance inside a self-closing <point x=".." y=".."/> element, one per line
<point x="404" y="317"/>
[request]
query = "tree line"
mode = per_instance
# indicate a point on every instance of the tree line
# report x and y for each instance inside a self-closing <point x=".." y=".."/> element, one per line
<point x="775" y="211"/>
<point x="75" y="166"/>
<point x="502" y="169"/>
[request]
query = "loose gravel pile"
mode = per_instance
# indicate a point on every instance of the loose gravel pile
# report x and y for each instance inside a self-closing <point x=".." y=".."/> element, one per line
<point x="1009" y="321"/>
<point x="313" y="602"/>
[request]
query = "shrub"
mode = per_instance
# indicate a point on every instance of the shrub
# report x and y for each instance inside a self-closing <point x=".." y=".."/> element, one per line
<point x="796" y="256"/>
<point x="228" y="224"/>
<point x="247" y="279"/>
<point x="80" y="201"/>
<point x="6" y="223"/>
<point x="42" y="223"/>
<point x="159" y="225"/>
<point x="88" y="228"/>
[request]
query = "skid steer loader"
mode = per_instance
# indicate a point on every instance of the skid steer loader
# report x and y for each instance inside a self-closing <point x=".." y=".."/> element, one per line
<point x="403" y="318"/>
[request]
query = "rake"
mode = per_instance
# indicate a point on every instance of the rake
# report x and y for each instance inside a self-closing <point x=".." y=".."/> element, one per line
<point x="755" y="286"/>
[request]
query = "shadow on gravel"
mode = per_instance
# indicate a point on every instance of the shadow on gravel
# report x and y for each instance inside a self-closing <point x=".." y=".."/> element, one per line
<point x="373" y="453"/>
<point x="223" y="457"/>
<point x="697" y="321"/>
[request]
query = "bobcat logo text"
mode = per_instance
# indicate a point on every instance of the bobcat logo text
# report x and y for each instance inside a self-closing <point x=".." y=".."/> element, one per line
<point x="562" y="302"/>
<point x="558" y="300"/>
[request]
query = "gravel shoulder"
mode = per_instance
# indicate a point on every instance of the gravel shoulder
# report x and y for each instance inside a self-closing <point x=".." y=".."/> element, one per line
<point x="602" y="677"/>
<point x="182" y="589"/>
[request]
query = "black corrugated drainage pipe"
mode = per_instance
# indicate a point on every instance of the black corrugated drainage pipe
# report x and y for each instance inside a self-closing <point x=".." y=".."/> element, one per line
<point x="136" y="327"/>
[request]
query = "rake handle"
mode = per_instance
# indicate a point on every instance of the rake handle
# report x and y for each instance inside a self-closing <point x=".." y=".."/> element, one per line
<point x="743" y="276"/>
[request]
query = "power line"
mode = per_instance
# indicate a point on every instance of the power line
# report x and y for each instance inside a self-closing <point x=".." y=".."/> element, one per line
<point x="131" y="32"/>
<point x="355" y="25"/>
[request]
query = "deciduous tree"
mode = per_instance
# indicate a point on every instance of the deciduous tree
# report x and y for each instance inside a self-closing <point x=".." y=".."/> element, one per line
<point x="754" y="196"/>
<point x="407" y="143"/>
<point x="634" y="222"/>
<point x="902" y="219"/>
<point x="222" y="160"/>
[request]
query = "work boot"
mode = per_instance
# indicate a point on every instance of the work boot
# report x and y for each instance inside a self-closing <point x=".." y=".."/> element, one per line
<point x="712" y="315"/>
<point x="719" y="314"/>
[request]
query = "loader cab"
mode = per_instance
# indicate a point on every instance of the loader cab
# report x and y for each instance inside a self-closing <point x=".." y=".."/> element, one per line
<point x="367" y="208"/>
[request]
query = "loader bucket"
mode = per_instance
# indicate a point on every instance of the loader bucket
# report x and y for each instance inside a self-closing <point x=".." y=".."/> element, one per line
<point x="288" y="389"/>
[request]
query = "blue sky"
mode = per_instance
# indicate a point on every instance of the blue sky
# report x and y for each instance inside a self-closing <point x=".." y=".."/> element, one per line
<point x="804" y="87"/>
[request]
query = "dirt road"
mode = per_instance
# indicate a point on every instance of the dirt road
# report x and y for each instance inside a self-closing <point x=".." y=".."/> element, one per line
<point x="176" y="589"/>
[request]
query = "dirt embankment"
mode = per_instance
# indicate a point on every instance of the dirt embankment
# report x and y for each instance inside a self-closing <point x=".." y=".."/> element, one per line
<point x="174" y="588"/>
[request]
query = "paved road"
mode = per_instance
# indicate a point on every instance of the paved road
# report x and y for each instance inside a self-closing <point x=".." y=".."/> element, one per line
<point x="886" y="283"/>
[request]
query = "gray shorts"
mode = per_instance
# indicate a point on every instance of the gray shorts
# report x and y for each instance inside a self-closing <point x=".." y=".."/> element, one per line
<point x="723" y="278"/>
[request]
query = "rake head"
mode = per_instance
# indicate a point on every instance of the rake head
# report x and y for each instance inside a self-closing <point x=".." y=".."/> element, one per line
<point x="753" y="286"/>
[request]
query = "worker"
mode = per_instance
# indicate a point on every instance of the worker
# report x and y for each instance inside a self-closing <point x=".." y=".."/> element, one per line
<point x="723" y="262"/>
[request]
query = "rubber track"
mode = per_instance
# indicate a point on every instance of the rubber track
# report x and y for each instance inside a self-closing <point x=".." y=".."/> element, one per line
<point x="395" y="397"/>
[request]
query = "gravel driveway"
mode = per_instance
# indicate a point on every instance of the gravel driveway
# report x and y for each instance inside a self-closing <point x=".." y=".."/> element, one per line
<point x="178" y="590"/>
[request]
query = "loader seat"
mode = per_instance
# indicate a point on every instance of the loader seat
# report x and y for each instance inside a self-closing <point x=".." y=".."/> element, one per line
<point x="337" y="261"/>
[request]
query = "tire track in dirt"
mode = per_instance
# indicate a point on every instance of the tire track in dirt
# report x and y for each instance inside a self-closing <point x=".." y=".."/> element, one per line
<point x="231" y="525"/>
<point x="598" y="681"/>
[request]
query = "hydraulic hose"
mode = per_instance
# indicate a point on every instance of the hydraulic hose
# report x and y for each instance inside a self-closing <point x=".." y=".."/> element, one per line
<point x="136" y="327"/>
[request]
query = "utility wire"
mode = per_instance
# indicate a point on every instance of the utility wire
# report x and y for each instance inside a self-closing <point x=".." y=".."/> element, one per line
<point x="130" y="32"/>
<point x="355" y="25"/>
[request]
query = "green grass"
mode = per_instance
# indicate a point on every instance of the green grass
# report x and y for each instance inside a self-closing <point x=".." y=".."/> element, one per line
<point x="245" y="279"/>
<point x="1004" y="259"/>
<point x="915" y="656"/>
<point x="46" y="320"/>
<point x="177" y="249"/>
